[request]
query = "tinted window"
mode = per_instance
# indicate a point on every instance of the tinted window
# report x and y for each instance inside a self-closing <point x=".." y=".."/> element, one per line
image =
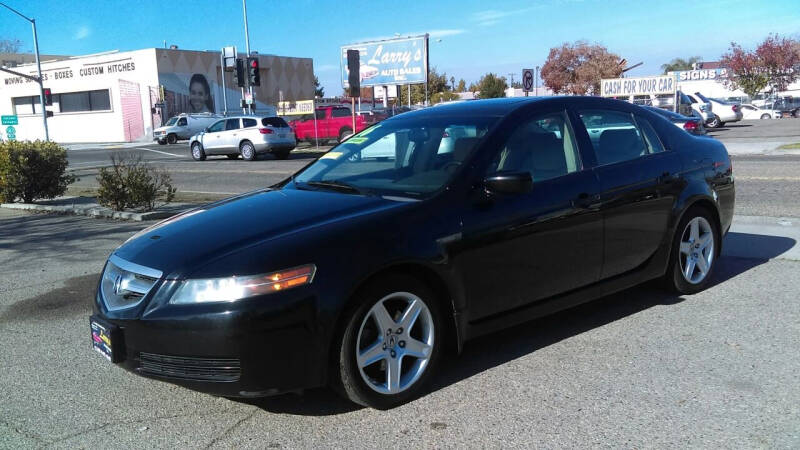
<point x="276" y="122"/>
<point x="85" y="101"/>
<point x="247" y="123"/>
<point x="340" y="112"/>
<point x="182" y="122"/>
<point x="614" y="135"/>
<point x="320" y="114"/>
<point x="544" y="146"/>
<point x="650" y="136"/>
<point x="218" y="126"/>
<point x="232" y="124"/>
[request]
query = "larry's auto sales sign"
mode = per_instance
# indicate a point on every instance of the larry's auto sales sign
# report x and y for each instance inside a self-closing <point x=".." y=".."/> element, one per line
<point x="389" y="62"/>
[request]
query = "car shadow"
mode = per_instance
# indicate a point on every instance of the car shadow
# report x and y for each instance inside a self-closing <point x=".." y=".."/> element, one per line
<point x="489" y="351"/>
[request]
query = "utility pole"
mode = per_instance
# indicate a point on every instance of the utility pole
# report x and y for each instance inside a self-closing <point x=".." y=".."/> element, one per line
<point x="536" y="82"/>
<point x="38" y="68"/>
<point x="511" y="74"/>
<point x="247" y="47"/>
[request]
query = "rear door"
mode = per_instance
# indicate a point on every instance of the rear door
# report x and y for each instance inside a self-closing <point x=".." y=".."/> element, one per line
<point x="637" y="186"/>
<point x="230" y="139"/>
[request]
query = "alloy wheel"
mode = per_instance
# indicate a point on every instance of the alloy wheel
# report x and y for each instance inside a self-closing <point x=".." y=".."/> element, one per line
<point x="196" y="151"/>
<point x="395" y="342"/>
<point x="247" y="151"/>
<point x="696" y="250"/>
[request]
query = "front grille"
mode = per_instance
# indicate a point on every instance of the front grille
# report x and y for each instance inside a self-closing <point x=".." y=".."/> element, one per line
<point x="125" y="284"/>
<point x="197" y="369"/>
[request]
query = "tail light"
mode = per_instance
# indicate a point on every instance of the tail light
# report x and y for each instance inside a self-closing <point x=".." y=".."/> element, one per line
<point x="735" y="108"/>
<point x="690" y="126"/>
<point x="265" y="131"/>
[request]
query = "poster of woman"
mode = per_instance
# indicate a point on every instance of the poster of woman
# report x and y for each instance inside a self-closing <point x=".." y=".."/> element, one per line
<point x="200" y="99"/>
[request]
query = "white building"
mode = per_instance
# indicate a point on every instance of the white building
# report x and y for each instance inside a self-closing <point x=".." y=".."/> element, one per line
<point x="711" y="83"/>
<point x="123" y="96"/>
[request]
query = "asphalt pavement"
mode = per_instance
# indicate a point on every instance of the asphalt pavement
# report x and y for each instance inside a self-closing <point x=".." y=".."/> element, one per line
<point x="641" y="368"/>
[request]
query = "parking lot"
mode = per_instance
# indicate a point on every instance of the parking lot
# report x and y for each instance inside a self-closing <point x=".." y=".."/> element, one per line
<point x="640" y="368"/>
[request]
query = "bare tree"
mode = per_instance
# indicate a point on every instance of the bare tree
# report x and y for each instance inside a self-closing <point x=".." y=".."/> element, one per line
<point x="10" y="45"/>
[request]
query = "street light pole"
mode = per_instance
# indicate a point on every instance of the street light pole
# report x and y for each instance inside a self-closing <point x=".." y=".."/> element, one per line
<point x="536" y="82"/>
<point x="38" y="67"/>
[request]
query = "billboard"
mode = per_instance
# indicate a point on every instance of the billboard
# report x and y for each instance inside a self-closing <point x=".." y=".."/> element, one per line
<point x="389" y="62"/>
<point x="702" y="74"/>
<point x="296" y="108"/>
<point x="615" y="87"/>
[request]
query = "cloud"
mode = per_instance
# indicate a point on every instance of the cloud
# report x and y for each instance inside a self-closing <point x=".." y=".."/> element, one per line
<point x="489" y="17"/>
<point x="82" y="32"/>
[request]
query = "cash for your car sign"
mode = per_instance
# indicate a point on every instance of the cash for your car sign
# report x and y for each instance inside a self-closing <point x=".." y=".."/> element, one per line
<point x="389" y="62"/>
<point x="615" y="87"/>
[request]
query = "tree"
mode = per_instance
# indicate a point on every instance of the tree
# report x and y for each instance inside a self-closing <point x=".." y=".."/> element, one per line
<point x="10" y="45"/>
<point x="492" y="86"/>
<point x="772" y="64"/>
<point x="578" y="68"/>
<point x="446" y="96"/>
<point x="680" y="64"/>
<point x="319" y="91"/>
<point x="436" y="83"/>
<point x="462" y="86"/>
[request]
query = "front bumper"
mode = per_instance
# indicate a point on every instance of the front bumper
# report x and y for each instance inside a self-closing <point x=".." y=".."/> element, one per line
<point x="250" y="348"/>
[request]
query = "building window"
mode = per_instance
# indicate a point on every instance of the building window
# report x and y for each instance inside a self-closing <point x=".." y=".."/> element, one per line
<point x="85" y="101"/>
<point x="24" y="105"/>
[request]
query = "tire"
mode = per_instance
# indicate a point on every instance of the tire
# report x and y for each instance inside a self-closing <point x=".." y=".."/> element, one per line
<point x="233" y="156"/>
<point x="162" y="142"/>
<point x="690" y="251"/>
<point x="765" y="116"/>
<point x="172" y="139"/>
<point x="281" y="154"/>
<point x="198" y="154"/>
<point x="796" y="113"/>
<point x="344" y="132"/>
<point x="247" y="150"/>
<point x="368" y="384"/>
<point x="715" y="122"/>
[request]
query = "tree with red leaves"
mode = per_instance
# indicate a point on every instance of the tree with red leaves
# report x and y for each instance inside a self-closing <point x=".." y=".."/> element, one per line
<point x="775" y="63"/>
<point x="578" y="68"/>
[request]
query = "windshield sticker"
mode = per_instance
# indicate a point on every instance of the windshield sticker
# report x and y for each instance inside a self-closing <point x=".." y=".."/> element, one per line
<point x="331" y="155"/>
<point x="357" y="140"/>
<point x="369" y="130"/>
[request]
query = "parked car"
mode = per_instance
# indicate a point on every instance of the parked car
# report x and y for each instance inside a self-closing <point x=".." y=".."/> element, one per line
<point x="333" y="123"/>
<point x="244" y="135"/>
<point x="693" y="125"/>
<point x="754" y="112"/>
<point x="361" y="272"/>
<point x="723" y="111"/>
<point x="788" y="106"/>
<point x="183" y="126"/>
<point x="703" y="109"/>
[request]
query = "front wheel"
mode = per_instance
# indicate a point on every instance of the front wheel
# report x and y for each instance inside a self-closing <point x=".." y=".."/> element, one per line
<point x="391" y="343"/>
<point x="172" y="139"/>
<point x="344" y="133"/>
<point x="162" y="142"/>
<point x="694" y="253"/>
<point x="765" y="116"/>
<point x="198" y="154"/>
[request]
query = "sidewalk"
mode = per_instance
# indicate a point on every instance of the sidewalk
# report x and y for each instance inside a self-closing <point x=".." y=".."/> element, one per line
<point x="88" y="206"/>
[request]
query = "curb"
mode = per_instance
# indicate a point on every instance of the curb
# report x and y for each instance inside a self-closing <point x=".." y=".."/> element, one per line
<point x="92" y="211"/>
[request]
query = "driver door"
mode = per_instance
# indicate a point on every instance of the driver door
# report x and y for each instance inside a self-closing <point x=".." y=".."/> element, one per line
<point x="212" y="139"/>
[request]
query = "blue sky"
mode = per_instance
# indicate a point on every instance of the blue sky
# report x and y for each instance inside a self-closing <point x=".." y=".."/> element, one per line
<point x="468" y="37"/>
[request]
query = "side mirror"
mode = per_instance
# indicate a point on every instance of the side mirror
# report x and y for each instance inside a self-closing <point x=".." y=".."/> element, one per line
<point x="509" y="182"/>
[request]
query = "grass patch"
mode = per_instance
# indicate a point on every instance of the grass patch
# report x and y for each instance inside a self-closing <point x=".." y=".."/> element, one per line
<point x="795" y="146"/>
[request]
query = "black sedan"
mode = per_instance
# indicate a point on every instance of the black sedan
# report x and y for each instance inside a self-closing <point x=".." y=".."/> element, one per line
<point x="362" y="268"/>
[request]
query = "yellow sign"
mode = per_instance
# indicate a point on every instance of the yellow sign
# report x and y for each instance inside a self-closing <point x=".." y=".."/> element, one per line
<point x="296" y="108"/>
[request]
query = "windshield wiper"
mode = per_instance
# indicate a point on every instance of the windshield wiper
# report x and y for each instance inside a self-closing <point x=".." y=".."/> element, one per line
<point x="336" y="185"/>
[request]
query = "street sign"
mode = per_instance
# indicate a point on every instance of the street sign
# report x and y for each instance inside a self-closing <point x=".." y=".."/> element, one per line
<point x="229" y="58"/>
<point x="248" y="98"/>
<point x="527" y="80"/>
<point x="296" y="108"/>
<point x="623" y="87"/>
<point x="9" y="120"/>
<point x="11" y="133"/>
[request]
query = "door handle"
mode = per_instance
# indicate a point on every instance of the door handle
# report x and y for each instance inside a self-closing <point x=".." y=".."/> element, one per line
<point x="585" y="201"/>
<point x="665" y="177"/>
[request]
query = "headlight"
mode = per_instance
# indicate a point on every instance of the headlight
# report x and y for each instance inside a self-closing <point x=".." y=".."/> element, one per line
<point x="236" y="288"/>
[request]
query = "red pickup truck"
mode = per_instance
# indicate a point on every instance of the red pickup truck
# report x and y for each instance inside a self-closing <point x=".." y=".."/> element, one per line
<point x="333" y="122"/>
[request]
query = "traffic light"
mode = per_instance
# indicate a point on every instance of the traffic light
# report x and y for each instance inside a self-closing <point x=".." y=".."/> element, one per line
<point x="253" y="76"/>
<point x="239" y="72"/>
<point x="48" y="97"/>
<point x="354" y="73"/>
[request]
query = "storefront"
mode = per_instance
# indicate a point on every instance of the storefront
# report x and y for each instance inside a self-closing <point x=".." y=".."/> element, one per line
<point x="123" y="96"/>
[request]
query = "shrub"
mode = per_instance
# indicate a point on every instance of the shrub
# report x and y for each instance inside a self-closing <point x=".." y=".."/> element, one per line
<point x="32" y="170"/>
<point x="132" y="183"/>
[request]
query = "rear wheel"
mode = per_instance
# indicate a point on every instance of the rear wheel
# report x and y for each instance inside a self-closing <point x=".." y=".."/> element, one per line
<point x="172" y="139"/>
<point x="715" y="122"/>
<point x="247" y="150"/>
<point x="198" y="154"/>
<point x="694" y="252"/>
<point x="391" y="342"/>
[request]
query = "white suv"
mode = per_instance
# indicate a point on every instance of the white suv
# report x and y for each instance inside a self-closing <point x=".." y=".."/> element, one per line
<point x="244" y="135"/>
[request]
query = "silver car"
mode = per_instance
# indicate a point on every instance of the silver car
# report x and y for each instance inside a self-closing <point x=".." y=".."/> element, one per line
<point x="244" y="135"/>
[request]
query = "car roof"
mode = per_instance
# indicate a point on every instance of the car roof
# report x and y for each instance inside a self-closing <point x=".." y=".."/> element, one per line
<point x="503" y="106"/>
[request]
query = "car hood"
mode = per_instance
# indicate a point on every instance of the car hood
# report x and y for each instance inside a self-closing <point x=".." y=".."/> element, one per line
<point x="195" y="238"/>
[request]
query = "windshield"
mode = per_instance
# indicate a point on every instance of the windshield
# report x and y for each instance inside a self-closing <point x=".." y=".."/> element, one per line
<point x="171" y="122"/>
<point x="407" y="157"/>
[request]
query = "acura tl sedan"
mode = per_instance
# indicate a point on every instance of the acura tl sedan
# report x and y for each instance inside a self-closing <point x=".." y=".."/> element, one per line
<point x="363" y="268"/>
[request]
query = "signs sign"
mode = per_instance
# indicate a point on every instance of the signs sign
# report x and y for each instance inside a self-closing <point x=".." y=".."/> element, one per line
<point x="705" y="74"/>
<point x="615" y="87"/>
<point x="9" y="120"/>
<point x="296" y="108"/>
<point x="389" y="62"/>
<point x="527" y="80"/>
